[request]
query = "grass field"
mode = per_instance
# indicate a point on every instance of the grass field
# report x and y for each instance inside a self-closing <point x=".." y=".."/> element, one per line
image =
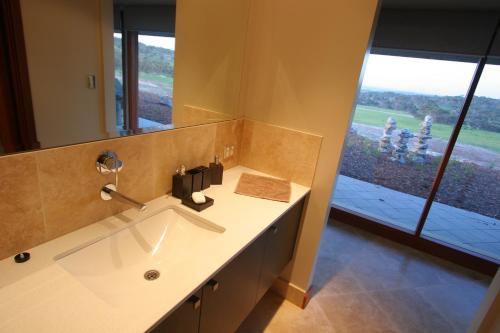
<point x="156" y="78"/>
<point x="374" y="116"/>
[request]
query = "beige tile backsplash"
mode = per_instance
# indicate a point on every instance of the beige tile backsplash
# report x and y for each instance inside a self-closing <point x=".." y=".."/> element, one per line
<point x="192" y="146"/>
<point x="70" y="184"/>
<point x="21" y="216"/>
<point x="279" y="151"/>
<point x="48" y="193"/>
<point x="229" y="134"/>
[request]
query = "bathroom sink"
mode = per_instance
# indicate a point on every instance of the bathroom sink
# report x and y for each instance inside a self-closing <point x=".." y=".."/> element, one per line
<point x="149" y="252"/>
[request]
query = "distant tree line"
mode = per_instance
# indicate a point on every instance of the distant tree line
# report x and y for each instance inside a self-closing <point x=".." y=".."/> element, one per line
<point x="484" y="112"/>
<point x="152" y="59"/>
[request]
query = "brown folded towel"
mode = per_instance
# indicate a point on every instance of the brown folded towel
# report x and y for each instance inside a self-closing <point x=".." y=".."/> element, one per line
<point x="264" y="187"/>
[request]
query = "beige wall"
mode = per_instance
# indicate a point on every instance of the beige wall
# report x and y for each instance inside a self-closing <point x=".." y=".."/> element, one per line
<point x="209" y="51"/>
<point x="63" y="43"/>
<point x="303" y="61"/>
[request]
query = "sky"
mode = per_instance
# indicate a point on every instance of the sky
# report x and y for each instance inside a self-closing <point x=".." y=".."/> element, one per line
<point x="164" y="42"/>
<point x="425" y="76"/>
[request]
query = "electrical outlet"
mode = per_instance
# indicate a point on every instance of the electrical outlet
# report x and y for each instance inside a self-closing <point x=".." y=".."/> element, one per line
<point x="228" y="152"/>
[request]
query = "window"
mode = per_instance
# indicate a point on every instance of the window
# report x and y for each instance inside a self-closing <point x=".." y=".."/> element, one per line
<point x="404" y="116"/>
<point x="466" y="210"/>
<point x="155" y="67"/>
<point x="119" y="100"/>
<point x="144" y="67"/>
<point x="398" y="147"/>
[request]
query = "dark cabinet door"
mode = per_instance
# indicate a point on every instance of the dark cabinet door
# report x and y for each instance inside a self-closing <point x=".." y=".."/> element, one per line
<point x="280" y="244"/>
<point x="230" y="296"/>
<point x="185" y="319"/>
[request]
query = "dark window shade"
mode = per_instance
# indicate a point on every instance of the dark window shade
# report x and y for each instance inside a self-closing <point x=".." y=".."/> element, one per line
<point x="495" y="51"/>
<point x="435" y="33"/>
<point x="154" y="20"/>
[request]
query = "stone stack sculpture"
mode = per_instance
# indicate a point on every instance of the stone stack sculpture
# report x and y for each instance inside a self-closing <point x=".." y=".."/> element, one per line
<point x="399" y="154"/>
<point x="385" y="145"/>
<point x="422" y="137"/>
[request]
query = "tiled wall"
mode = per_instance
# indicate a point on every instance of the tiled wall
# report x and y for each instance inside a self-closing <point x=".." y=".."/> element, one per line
<point x="280" y="151"/>
<point x="48" y="193"/>
<point x="51" y="192"/>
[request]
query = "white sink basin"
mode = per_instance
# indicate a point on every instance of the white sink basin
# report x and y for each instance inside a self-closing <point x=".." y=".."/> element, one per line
<point x="114" y="267"/>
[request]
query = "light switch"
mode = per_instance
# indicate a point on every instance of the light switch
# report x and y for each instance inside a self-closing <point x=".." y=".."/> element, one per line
<point x="91" y="81"/>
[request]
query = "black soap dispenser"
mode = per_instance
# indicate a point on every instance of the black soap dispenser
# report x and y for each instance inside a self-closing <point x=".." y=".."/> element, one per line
<point x="216" y="170"/>
<point x="181" y="183"/>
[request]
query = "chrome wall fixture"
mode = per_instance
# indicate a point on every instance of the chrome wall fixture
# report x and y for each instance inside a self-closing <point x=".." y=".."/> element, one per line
<point x="106" y="163"/>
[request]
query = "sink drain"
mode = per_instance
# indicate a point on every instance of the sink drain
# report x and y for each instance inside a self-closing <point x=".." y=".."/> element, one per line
<point x="151" y="275"/>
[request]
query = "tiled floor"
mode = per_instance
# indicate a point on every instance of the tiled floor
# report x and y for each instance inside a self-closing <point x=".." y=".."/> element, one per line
<point x="469" y="230"/>
<point x="364" y="283"/>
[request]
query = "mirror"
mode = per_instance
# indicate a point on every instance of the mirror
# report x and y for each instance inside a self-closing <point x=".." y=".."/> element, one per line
<point x="98" y="69"/>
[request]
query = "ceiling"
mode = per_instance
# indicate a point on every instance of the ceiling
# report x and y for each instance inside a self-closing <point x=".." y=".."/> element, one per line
<point x="443" y="4"/>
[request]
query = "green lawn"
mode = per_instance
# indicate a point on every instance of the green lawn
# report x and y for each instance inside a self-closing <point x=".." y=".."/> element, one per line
<point x="157" y="78"/>
<point x="370" y="115"/>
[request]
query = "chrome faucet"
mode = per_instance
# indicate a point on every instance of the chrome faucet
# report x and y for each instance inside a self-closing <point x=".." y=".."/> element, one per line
<point x="110" y="192"/>
<point x="108" y="162"/>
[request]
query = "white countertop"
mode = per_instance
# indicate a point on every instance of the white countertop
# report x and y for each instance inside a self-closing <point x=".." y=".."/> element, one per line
<point x="40" y="296"/>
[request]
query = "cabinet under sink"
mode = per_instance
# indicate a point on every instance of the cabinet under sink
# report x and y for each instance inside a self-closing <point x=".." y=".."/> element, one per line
<point x="226" y="300"/>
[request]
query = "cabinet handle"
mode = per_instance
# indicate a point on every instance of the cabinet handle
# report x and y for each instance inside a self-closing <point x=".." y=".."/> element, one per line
<point x="196" y="301"/>
<point x="214" y="284"/>
<point x="274" y="229"/>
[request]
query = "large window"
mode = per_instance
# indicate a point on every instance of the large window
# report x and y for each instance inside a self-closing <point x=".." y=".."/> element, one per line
<point x="466" y="211"/>
<point x="404" y="116"/>
<point x="406" y="112"/>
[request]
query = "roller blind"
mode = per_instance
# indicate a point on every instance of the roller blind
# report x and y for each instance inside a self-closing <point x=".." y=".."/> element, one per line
<point x="147" y="19"/>
<point x="436" y="31"/>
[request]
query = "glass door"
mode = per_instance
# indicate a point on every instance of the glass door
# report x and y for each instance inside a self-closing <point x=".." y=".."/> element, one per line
<point x="405" y="114"/>
<point x="466" y="209"/>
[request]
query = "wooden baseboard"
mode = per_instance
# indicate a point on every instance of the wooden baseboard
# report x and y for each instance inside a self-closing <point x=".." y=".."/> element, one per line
<point x="291" y="292"/>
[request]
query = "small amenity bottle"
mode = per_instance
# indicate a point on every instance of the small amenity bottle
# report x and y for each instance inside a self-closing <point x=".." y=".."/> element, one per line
<point x="181" y="183"/>
<point x="216" y="170"/>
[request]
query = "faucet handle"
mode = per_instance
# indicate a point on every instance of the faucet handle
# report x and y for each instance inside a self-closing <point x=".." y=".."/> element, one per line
<point x="108" y="162"/>
<point x="106" y="191"/>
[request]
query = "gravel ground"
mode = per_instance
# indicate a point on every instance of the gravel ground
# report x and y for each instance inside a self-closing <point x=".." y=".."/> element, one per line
<point x="151" y="108"/>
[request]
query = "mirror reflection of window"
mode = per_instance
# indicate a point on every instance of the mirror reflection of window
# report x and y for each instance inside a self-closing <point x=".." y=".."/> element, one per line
<point x="156" y="70"/>
<point x="118" y="42"/>
<point x="144" y="64"/>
